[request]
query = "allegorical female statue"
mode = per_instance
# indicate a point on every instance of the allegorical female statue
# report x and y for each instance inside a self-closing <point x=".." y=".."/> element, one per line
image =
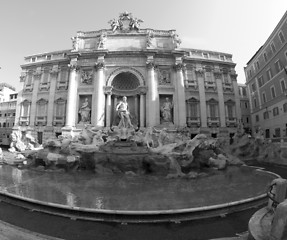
<point x="85" y="111"/>
<point x="166" y="110"/>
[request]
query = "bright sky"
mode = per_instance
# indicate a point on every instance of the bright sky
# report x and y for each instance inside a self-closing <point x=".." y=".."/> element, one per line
<point x="238" y="27"/>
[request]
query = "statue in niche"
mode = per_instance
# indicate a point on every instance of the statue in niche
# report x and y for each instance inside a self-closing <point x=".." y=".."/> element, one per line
<point x="102" y="41"/>
<point x="123" y="112"/>
<point x="166" y="110"/>
<point x="85" y="111"/>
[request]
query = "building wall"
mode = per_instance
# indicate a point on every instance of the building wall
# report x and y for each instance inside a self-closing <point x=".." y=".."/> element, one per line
<point x="272" y="56"/>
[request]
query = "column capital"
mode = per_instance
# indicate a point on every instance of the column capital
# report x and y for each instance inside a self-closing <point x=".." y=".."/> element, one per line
<point x="150" y="65"/>
<point x="108" y="90"/>
<point x="217" y="75"/>
<point x="99" y="65"/>
<point x="179" y="66"/>
<point x="74" y="66"/>
<point x="54" y="72"/>
<point x="142" y="90"/>
<point x="37" y="74"/>
<point x="199" y="72"/>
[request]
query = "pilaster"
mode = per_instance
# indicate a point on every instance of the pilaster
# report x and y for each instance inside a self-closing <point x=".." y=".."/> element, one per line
<point x="180" y="103"/>
<point x="36" y="81"/>
<point x="237" y="98"/>
<point x="222" y="115"/>
<point x="202" y="97"/>
<point x="53" y="81"/>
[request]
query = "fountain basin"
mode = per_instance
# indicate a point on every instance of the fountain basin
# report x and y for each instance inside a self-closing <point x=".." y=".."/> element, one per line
<point x="144" y="198"/>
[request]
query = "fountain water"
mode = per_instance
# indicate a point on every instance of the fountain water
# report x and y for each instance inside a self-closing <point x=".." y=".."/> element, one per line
<point x="151" y="175"/>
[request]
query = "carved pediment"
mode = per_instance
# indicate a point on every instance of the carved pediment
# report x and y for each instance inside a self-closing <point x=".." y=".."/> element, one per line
<point x="42" y="101"/>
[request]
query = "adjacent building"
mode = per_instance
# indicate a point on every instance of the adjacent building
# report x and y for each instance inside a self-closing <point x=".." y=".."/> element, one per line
<point x="8" y="104"/>
<point x="266" y="80"/>
<point x="63" y="91"/>
<point x="245" y="108"/>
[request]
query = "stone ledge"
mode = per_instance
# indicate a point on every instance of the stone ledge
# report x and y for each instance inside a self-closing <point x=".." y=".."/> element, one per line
<point x="11" y="232"/>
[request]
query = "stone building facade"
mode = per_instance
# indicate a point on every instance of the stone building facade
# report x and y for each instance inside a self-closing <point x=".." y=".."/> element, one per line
<point x="7" y="112"/>
<point x="266" y="80"/>
<point x="65" y="90"/>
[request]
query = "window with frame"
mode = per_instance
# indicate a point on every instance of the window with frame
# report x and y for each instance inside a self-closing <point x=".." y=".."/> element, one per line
<point x="278" y="66"/>
<point x="277" y="133"/>
<point x="260" y="81"/>
<point x="257" y="118"/>
<point x="25" y="110"/>
<point x="257" y="65"/>
<point x="208" y="77"/>
<point x="253" y="87"/>
<point x="230" y="111"/>
<point x="273" y="47"/>
<point x="29" y="78"/>
<point x="255" y="102"/>
<point x="213" y="109"/>
<point x="285" y="107"/>
<point x="226" y="78"/>
<point x="267" y="133"/>
<point x="244" y="92"/>
<point x="275" y="111"/>
<point x="265" y="57"/>
<point x="283" y="85"/>
<point x="266" y="115"/>
<point x="60" y="108"/>
<point x="269" y="74"/>
<point x="264" y="97"/>
<point x="45" y="76"/>
<point x="42" y="108"/>
<point x="273" y="93"/>
<point x="281" y="36"/>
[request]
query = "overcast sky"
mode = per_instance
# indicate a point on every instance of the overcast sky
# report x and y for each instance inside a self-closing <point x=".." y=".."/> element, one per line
<point x="238" y="27"/>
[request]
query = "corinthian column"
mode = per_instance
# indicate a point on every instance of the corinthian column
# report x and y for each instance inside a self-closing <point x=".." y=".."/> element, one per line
<point x="99" y="96"/>
<point x="72" y="95"/>
<point x="108" y="92"/>
<point x="180" y="119"/>
<point x="152" y="101"/>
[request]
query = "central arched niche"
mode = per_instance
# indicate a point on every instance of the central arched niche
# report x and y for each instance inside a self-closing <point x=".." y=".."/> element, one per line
<point x="126" y="84"/>
<point x="125" y="81"/>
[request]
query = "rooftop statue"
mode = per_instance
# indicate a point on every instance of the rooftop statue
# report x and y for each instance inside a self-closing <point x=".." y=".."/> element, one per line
<point x="125" y="22"/>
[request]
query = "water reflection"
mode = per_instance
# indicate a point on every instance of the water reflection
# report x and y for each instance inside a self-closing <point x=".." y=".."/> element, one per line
<point x="121" y="192"/>
<point x="71" y="199"/>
